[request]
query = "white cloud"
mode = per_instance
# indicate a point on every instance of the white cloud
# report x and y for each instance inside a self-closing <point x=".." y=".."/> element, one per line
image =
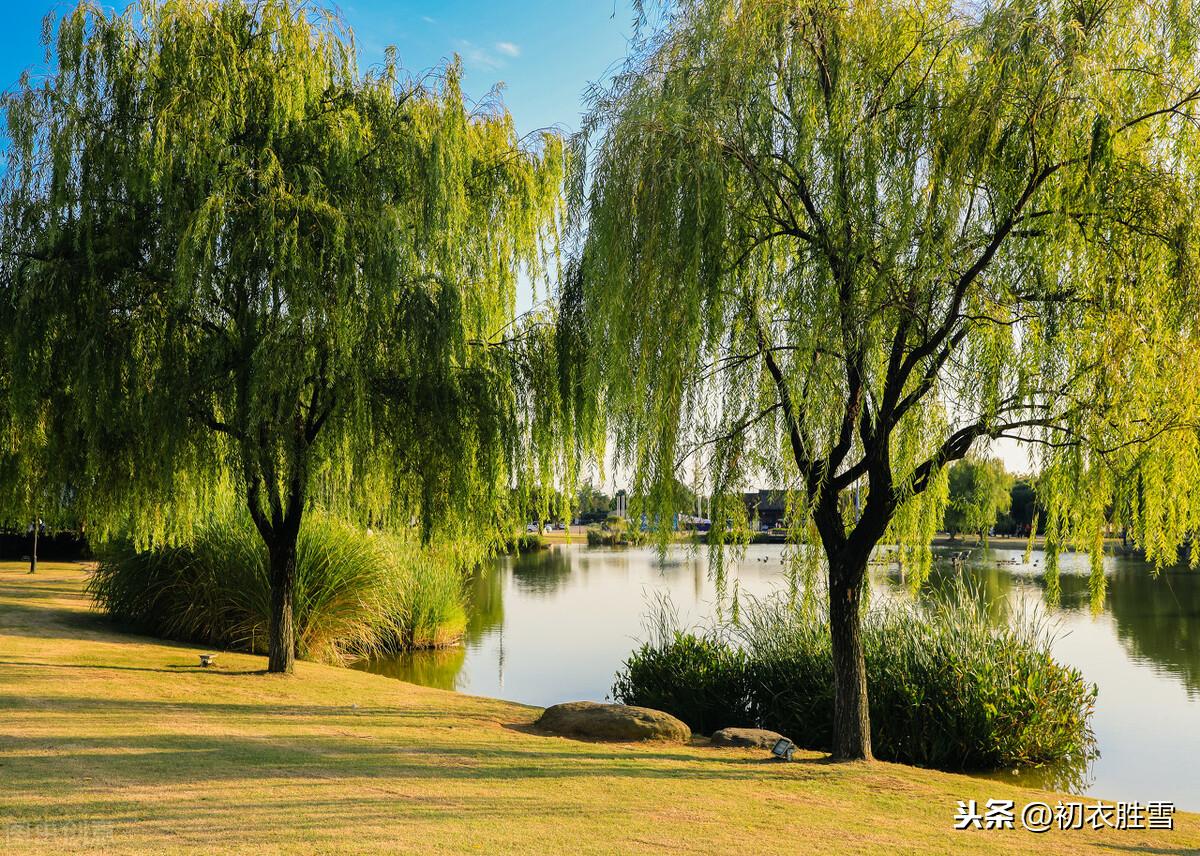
<point x="473" y="55"/>
<point x="508" y="49"/>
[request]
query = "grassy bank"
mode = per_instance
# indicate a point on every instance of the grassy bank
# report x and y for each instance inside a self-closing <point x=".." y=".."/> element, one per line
<point x="114" y="743"/>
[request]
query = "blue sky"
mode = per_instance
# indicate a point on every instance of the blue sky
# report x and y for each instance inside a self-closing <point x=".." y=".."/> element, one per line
<point x="545" y="52"/>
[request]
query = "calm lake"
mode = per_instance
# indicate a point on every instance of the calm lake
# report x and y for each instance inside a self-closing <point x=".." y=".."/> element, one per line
<point x="556" y="625"/>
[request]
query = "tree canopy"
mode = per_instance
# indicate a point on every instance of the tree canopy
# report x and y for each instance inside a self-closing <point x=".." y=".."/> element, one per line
<point x="978" y="492"/>
<point x="881" y="233"/>
<point x="237" y="268"/>
<point x="592" y="499"/>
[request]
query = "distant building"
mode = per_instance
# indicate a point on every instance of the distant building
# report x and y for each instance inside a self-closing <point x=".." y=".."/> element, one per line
<point x="769" y="506"/>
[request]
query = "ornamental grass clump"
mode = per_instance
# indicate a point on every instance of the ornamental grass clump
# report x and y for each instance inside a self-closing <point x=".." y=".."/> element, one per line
<point x="950" y="688"/>
<point x="356" y="595"/>
<point x="699" y="678"/>
<point x="429" y="610"/>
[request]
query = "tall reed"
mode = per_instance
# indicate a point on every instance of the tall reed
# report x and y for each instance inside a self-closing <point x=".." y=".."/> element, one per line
<point x="949" y="687"/>
<point x="356" y="595"/>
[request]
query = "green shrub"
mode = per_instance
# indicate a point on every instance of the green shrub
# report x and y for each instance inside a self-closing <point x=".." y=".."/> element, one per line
<point x="699" y="679"/>
<point x="618" y="537"/>
<point x="948" y="688"/>
<point x="526" y="542"/>
<point x="356" y="595"/>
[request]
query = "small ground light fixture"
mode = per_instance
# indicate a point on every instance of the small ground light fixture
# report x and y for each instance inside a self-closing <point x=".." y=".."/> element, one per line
<point x="783" y="749"/>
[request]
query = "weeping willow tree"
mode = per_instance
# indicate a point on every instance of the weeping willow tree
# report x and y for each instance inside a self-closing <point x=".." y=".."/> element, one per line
<point x="838" y="245"/>
<point x="237" y="269"/>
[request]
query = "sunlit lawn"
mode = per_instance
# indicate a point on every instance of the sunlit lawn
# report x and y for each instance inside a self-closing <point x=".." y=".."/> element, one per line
<point x="119" y="743"/>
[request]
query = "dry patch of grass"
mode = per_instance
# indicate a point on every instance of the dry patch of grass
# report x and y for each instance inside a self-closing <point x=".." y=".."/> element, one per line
<point x="117" y="743"/>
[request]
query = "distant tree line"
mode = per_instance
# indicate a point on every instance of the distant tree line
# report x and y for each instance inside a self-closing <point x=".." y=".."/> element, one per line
<point x="984" y="498"/>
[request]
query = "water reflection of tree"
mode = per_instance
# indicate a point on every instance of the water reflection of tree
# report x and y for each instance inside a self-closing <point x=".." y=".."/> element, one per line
<point x="991" y="583"/>
<point x="543" y="572"/>
<point x="1073" y="778"/>
<point x="1159" y="619"/>
<point x="440" y="667"/>
<point x="485" y="599"/>
<point x="1074" y="593"/>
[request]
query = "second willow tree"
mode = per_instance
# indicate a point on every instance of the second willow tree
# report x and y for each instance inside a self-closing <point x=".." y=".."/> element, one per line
<point x="838" y="245"/>
<point x="236" y="269"/>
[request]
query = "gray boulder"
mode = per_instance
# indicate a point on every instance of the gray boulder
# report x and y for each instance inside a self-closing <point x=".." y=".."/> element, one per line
<point x="618" y="722"/>
<point x="753" y="738"/>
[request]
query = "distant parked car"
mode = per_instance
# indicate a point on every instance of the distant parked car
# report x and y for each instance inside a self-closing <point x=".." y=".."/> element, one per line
<point x="532" y="527"/>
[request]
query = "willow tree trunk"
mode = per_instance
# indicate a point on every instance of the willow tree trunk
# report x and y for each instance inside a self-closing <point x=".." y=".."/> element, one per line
<point x="851" y="714"/>
<point x="281" y="639"/>
<point x="33" y="551"/>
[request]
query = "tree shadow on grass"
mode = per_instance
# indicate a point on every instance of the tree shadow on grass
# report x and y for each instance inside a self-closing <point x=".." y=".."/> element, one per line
<point x="171" y="669"/>
<point x="81" y="707"/>
<point x="219" y="823"/>
<point x="31" y="590"/>
<point x="66" y="625"/>
<point x="49" y="622"/>
<point x="331" y="741"/>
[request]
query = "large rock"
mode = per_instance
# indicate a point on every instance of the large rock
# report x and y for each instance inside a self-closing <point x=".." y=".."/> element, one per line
<point x="754" y="738"/>
<point x="620" y="722"/>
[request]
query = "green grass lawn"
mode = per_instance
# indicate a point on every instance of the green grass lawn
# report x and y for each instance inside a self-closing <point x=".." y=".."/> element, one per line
<point x="119" y="743"/>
